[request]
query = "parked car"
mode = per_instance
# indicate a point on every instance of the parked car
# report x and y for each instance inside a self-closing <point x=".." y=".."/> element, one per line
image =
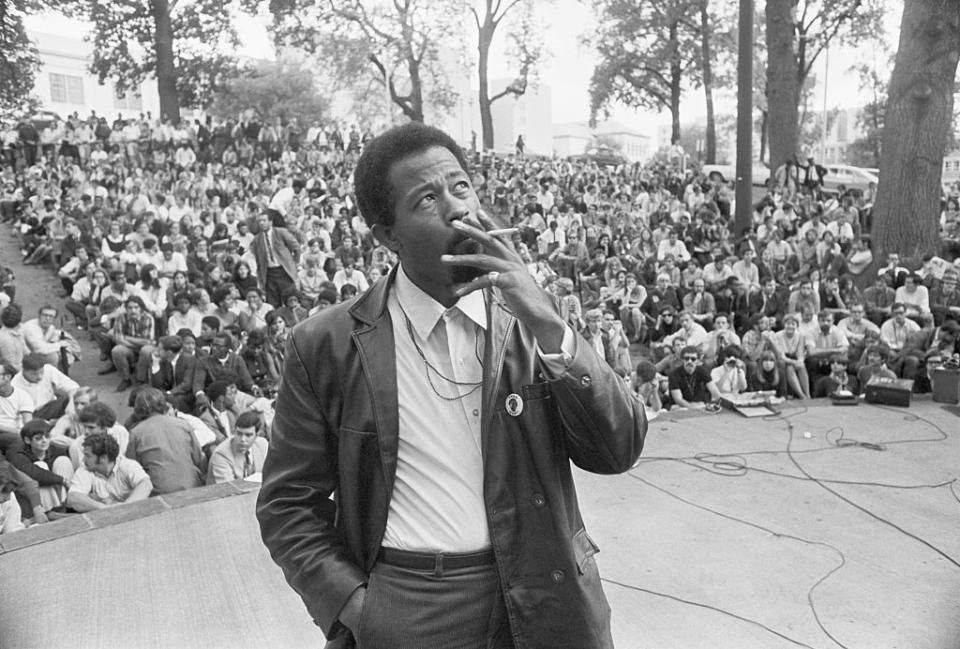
<point x="727" y="173"/>
<point x="850" y="177"/>
<point x="602" y="156"/>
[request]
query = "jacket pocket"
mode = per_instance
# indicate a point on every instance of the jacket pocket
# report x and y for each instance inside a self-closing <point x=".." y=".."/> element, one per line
<point x="583" y="549"/>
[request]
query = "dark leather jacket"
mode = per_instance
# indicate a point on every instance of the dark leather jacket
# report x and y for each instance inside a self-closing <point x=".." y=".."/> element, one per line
<point x="336" y="433"/>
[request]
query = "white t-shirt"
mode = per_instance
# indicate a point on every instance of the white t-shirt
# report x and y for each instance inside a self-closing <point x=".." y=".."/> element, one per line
<point x="11" y="518"/>
<point x="113" y="489"/>
<point x="13" y="408"/>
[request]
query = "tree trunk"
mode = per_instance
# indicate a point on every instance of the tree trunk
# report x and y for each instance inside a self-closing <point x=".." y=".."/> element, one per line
<point x="711" y="153"/>
<point x="917" y="122"/>
<point x="676" y="77"/>
<point x="415" y="106"/>
<point x="485" y="37"/>
<point x="166" y="70"/>
<point x="763" y="135"/>
<point x="783" y="90"/>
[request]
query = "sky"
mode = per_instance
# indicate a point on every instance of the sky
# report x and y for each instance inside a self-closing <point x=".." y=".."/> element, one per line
<point x="569" y="64"/>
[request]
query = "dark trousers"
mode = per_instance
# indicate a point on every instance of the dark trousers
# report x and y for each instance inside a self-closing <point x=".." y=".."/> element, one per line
<point x="278" y="283"/>
<point x="52" y="409"/>
<point x="433" y="609"/>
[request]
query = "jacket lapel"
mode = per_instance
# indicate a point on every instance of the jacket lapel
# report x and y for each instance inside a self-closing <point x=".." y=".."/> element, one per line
<point x="501" y="324"/>
<point x="375" y="343"/>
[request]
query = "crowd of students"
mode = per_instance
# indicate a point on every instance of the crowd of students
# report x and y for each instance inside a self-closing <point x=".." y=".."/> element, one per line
<point x="187" y="253"/>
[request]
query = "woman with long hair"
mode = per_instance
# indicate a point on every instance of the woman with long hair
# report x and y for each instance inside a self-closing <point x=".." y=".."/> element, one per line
<point x="153" y="294"/>
<point x="243" y="278"/>
<point x="765" y="375"/>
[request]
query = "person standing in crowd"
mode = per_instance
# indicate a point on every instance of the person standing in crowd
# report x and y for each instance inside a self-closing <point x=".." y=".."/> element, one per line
<point x="276" y="252"/>
<point x="438" y="550"/>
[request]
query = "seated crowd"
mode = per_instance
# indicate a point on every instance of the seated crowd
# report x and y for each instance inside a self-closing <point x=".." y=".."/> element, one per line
<point x="187" y="254"/>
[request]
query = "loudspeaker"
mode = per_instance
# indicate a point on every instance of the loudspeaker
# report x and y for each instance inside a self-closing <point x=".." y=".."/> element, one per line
<point x="889" y="392"/>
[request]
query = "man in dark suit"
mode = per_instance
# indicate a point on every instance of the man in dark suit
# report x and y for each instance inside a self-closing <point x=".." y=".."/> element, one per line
<point x="277" y="252"/>
<point x="220" y="415"/>
<point x="170" y="371"/>
<point x="768" y="301"/>
<point x="222" y="365"/>
<point x="444" y="408"/>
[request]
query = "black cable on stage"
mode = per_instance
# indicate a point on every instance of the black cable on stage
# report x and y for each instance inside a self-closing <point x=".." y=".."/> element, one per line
<point x="708" y="607"/>
<point x="742" y="521"/>
<point x="734" y="465"/>
<point x="866" y="511"/>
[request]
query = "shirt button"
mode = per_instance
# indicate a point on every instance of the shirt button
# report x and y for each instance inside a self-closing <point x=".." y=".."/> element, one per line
<point x="538" y="500"/>
<point x="557" y="576"/>
<point x="476" y="413"/>
<point x="585" y="380"/>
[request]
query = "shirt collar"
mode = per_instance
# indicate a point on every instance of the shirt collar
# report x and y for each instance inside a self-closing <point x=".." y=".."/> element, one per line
<point x="424" y="312"/>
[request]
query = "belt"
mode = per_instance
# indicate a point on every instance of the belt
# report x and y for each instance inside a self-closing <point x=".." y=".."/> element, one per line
<point x="435" y="561"/>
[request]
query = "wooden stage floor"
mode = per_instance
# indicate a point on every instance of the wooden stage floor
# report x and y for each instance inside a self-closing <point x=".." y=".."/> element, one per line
<point x="729" y="533"/>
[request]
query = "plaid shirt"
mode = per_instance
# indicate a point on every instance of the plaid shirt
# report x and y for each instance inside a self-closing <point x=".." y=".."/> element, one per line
<point x="141" y="327"/>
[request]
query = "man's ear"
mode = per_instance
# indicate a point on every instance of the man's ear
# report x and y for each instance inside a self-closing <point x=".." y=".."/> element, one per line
<point x="386" y="236"/>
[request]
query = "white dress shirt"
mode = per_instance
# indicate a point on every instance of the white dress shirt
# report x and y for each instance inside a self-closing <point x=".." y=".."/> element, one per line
<point x="437" y="502"/>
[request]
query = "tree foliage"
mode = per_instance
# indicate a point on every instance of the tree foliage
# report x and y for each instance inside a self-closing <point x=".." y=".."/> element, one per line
<point x="646" y="50"/>
<point x="398" y="43"/>
<point x="650" y="51"/>
<point x="797" y="33"/>
<point x="19" y="60"/>
<point x="274" y="91"/>
<point x="178" y="42"/>
<point x="865" y="150"/>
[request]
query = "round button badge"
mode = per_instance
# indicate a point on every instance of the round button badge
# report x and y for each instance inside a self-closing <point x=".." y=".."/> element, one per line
<point x="514" y="405"/>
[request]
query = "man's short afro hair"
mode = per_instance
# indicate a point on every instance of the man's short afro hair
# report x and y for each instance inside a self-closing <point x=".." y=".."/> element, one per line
<point x="373" y="193"/>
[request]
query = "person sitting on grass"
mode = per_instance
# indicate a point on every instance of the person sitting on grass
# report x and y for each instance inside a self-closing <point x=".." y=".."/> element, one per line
<point x="11" y="516"/>
<point x="766" y="374"/>
<point x="874" y="363"/>
<point x="838" y="380"/>
<point x="49" y="388"/>
<point x="241" y="455"/>
<point x="730" y="374"/>
<point x="691" y="385"/>
<point x="106" y="478"/>
<point x="49" y="465"/>
<point x="647" y="386"/>
<point x="94" y="419"/>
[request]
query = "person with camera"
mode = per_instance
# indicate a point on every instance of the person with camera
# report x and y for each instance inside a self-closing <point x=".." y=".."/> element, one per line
<point x="730" y="375"/>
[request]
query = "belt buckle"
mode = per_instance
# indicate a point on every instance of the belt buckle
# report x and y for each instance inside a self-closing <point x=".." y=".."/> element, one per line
<point x="438" y="564"/>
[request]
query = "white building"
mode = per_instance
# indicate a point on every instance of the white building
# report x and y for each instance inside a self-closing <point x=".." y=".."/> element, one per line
<point x="529" y="115"/>
<point x="65" y="84"/>
<point x="844" y="131"/>
<point x="574" y="138"/>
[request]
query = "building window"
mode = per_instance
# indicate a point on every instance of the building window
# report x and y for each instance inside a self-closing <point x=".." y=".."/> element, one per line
<point x="130" y="101"/>
<point x="66" y="89"/>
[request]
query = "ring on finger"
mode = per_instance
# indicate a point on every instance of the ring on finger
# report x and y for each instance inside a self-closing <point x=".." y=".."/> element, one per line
<point x="493" y="276"/>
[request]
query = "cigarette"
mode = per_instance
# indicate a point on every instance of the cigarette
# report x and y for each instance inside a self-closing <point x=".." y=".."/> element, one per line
<point x="497" y="233"/>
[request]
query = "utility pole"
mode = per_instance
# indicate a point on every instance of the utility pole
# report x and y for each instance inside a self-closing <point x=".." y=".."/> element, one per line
<point x="743" y="218"/>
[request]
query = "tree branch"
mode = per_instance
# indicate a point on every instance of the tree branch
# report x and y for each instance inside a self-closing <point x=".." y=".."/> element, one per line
<point x="497" y="19"/>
